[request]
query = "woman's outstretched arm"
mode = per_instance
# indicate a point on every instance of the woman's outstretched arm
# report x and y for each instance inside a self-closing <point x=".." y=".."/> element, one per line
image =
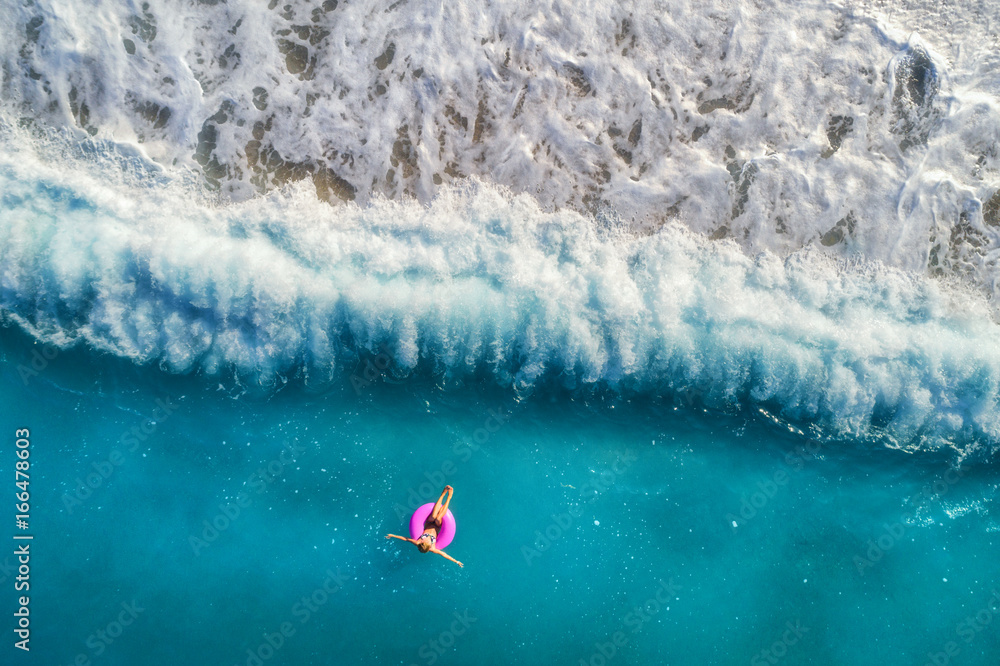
<point x="396" y="536"/>
<point x="447" y="556"/>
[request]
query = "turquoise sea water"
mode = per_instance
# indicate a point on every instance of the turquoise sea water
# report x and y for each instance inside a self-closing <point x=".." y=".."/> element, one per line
<point x="583" y="522"/>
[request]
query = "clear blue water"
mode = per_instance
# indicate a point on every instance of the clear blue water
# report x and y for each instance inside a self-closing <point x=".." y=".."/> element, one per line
<point x="637" y="500"/>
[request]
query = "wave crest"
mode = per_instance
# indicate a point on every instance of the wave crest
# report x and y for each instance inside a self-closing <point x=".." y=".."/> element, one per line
<point x="484" y="282"/>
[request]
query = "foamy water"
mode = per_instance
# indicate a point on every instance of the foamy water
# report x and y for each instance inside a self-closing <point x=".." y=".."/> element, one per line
<point x="865" y="127"/>
<point x="481" y="281"/>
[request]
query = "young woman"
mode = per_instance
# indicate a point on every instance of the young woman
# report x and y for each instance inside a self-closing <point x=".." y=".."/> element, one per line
<point x="425" y="542"/>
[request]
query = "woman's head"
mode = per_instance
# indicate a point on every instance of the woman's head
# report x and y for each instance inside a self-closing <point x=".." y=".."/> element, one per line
<point x="423" y="545"/>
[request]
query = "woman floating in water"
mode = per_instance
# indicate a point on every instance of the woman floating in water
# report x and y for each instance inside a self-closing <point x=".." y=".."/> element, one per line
<point x="438" y="524"/>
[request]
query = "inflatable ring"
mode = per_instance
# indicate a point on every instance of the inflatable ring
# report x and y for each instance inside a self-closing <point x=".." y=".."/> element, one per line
<point x="445" y="534"/>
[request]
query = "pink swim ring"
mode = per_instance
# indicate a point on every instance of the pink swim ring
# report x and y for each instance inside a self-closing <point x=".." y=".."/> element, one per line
<point x="446" y="532"/>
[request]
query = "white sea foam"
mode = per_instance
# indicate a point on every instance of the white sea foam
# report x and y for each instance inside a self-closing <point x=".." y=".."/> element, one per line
<point x="867" y="127"/>
<point x="483" y="281"/>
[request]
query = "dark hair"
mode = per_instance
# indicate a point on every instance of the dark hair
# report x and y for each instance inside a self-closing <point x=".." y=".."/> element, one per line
<point x="423" y="545"/>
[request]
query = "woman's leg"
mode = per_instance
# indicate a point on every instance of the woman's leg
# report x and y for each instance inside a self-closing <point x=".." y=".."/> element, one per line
<point x="441" y="506"/>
